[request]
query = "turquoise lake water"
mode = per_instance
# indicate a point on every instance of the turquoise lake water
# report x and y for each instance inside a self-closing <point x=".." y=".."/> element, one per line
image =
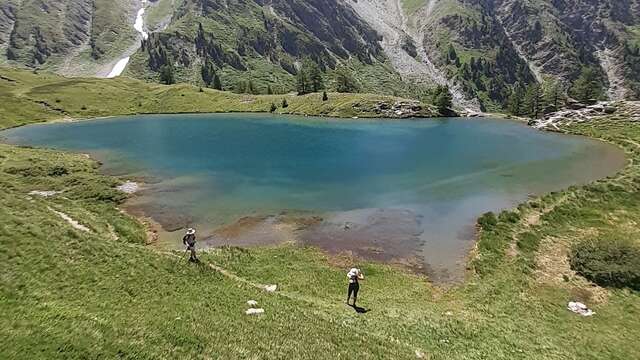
<point x="420" y="182"/>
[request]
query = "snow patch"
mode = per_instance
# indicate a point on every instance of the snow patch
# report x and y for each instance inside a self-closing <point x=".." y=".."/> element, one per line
<point x="119" y="67"/>
<point x="139" y="23"/>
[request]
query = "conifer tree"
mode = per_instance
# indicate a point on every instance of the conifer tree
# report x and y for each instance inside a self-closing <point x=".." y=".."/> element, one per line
<point x="309" y="78"/>
<point x="208" y="72"/>
<point x="217" y="84"/>
<point x="442" y="99"/>
<point x="515" y="101"/>
<point x="553" y="94"/>
<point x="452" y="53"/>
<point x="315" y="76"/>
<point x="167" y="74"/>
<point x="345" y="82"/>
<point x="589" y="86"/>
<point x="533" y="101"/>
<point x="302" y="82"/>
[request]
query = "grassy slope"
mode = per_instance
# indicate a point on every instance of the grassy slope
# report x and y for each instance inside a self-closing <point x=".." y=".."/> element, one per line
<point x="68" y="294"/>
<point x="26" y="97"/>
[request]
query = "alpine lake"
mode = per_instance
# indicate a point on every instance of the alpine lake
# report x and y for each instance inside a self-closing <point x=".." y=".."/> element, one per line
<point x="400" y="191"/>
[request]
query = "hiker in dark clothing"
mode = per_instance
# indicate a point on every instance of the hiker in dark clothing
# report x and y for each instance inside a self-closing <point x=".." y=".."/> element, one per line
<point x="354" y="276"/>
<point x="190" y="241"/>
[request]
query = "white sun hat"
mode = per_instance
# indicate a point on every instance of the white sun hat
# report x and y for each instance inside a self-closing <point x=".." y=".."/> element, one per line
<point x="191" y="231"/>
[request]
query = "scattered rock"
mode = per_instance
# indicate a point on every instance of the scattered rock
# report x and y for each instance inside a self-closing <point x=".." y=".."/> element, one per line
<point x="597" y="107"/>
<point x="420" y="354"/>
<point x="399" y="109"/>
<point x="252" y="303"/>
<point x="582" y="114"/>
<point x="580" y="309"/>
<point x="575" y="105"/>
<point x="45" y="193"/>
<point x="253" y="311"/>
<point x="129" y="187"/>
<point x="271" y="288"/>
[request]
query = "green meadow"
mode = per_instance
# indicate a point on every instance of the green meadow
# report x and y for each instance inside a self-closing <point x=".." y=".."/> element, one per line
<point x="103" y="292"/>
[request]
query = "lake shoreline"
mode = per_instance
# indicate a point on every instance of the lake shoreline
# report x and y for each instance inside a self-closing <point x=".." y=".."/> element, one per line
<point x="153" y="230"/>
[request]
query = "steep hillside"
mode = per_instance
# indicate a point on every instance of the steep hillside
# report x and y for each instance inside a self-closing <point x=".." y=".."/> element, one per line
<point x="71" y="36"/>
<point x="485" y="48"/>
<point x="265" y="42"/>
<point x="485" y="51"/>
<point x="559" y="37"/>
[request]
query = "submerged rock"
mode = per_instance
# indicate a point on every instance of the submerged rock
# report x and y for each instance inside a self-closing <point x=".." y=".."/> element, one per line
<point x="129" y="187"/>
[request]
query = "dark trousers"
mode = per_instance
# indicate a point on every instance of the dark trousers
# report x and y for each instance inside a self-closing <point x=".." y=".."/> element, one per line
<point x="353" y="289"/>
<point x="192" y="248"/>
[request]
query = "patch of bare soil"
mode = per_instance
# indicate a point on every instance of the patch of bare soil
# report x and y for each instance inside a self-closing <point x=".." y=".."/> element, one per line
<point x="531" y="219"/>
<point x="553" y="268"/>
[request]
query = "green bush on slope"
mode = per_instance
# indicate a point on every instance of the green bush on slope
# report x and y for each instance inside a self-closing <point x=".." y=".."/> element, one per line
<point x="608" y="262"/>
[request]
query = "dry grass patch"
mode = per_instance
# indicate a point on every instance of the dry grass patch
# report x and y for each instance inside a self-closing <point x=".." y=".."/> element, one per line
<point x="553" y="268"/>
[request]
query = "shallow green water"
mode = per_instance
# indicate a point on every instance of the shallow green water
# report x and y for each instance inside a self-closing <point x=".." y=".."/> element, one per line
<point x="437" y="175"/>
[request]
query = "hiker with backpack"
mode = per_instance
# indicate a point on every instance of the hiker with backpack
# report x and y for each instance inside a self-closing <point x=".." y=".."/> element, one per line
<point x="354" y="275"/>
<point x="189" y="240"/>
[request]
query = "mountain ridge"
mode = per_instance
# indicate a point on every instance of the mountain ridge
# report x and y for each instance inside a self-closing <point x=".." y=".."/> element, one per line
<point x="482" y="50"/>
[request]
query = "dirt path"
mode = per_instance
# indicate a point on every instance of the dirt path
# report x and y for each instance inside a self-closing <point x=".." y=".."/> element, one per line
<point x="530" y="220"/>
<point x="317" y="303"/>
<point x="74" y="223"/>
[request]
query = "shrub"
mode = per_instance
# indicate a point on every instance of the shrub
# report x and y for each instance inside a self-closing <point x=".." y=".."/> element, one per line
<point x="58" y="171"/>
<point x="606" y="262"/>
<point x="509" y="216"/>
<point x="488" y="221"/>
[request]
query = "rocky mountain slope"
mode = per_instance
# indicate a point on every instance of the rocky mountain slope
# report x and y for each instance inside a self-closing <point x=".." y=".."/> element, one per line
<point x="485" y="47"/>
<point x="70" y="36"/>
<point x="481" y="49"/>
<point x="260" y="41"/>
